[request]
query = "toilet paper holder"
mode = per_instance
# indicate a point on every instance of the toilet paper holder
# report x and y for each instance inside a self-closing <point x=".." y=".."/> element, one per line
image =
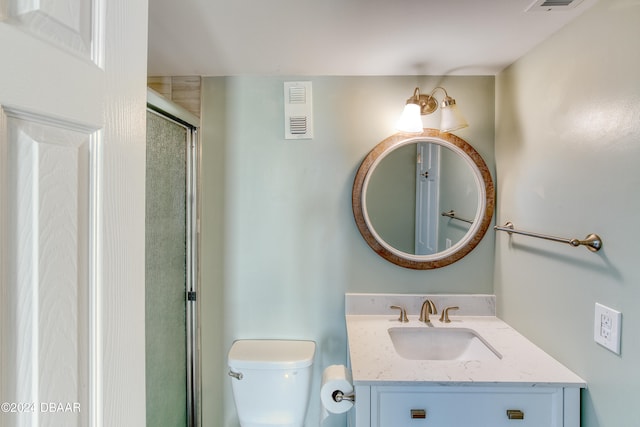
<point x="338" y="396"/>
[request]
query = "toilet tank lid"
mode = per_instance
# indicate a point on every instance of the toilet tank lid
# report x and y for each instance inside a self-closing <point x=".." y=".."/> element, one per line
<point x="271" y="354"/>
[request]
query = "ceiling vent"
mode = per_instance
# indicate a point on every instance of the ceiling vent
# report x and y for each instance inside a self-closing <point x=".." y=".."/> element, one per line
<point x="552" y="5"/>
<point x="298" y="119"/>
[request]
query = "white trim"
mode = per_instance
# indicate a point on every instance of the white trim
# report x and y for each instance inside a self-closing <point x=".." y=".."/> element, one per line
<point x="98" y="25"/>
<point x="47" y="119"/>
<point x="96" y="210"/>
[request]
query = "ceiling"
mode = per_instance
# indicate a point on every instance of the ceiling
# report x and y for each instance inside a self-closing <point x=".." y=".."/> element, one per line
<point x="346" y="37"/>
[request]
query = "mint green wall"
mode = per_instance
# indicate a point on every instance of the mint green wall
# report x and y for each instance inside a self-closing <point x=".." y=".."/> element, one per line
<point x="567" y="158"/>
<point x="212" y="234"/>
<point x="291" y="248"/>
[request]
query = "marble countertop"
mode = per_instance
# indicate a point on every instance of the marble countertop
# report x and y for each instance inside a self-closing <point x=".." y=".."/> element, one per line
<point x="374" y="361"/>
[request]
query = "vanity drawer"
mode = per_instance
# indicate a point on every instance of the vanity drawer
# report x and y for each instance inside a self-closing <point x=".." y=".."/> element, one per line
<point x="466" y="407"/>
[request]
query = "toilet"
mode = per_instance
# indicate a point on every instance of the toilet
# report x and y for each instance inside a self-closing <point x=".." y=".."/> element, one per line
<point x="271" y="381"/>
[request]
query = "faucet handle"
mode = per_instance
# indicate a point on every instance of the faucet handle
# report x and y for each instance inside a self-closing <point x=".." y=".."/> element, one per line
<point x="403" y="313"/>
<point x="444" y="317"/>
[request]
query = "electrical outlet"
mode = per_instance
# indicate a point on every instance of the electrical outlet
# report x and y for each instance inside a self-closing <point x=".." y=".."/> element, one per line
<point x="606" y="327"/>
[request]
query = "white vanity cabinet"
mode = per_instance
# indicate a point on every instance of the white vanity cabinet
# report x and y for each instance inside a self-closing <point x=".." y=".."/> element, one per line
<point x="398" y="383"/>
<point x="466" y="406"/>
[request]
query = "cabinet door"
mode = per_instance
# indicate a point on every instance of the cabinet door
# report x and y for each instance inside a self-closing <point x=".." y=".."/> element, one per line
<point x="466" y="406"/>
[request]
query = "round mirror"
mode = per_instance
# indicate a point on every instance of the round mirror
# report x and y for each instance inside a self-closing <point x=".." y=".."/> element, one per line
<point x="423" y="201"/>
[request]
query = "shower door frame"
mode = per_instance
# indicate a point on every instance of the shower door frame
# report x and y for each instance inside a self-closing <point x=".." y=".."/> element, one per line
<point x="166" y="109"/>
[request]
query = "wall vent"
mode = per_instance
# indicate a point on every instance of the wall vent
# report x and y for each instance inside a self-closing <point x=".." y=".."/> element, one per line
<point x="298" y="118"/>
<point x="552" y="5"/>
<point x="298" y="125"/>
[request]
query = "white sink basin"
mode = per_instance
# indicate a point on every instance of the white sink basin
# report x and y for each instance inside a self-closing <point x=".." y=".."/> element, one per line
<point x="430" y="343"/>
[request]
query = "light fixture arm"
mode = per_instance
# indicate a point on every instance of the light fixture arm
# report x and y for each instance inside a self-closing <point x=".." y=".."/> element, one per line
<point x="410" y="120"/>
<point x="428" y="103"/>
<point x="447" y="100"/>
<point x="441" y="88"/>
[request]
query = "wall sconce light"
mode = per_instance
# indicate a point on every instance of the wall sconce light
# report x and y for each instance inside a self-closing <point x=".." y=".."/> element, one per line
<point x="420" y="104"/>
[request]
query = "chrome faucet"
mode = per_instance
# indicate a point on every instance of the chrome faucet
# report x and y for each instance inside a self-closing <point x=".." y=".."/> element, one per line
<point x="428" y="307"/>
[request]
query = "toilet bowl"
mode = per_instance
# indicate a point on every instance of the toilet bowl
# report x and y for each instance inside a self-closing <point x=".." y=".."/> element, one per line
<point x="271" y="381"/>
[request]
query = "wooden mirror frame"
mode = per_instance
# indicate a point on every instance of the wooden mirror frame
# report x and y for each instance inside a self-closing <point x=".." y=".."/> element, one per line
<point x="457" y="251"/>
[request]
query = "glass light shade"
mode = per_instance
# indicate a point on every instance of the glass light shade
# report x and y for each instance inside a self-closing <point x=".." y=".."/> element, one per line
<point x="410" y="120"/>
<point x="451" y="119"/>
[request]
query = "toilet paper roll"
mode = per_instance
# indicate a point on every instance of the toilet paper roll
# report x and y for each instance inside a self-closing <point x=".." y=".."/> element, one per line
<point x="336" y="378"/>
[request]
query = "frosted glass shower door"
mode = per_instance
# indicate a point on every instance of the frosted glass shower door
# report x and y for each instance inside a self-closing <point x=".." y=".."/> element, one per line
<point x="166" y="273"/>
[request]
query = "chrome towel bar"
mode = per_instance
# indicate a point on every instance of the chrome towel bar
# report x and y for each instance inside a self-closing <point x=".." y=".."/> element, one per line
<point x="452" y="214"/>
<point x="593" y="242"/>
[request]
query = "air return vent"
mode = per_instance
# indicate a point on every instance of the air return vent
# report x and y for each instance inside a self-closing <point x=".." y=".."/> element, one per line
<point x="552" y="5"/>
<point x="298" y="119"/>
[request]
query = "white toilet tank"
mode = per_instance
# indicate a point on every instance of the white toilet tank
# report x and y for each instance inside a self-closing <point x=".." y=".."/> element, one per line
<point x="271" y="381"/>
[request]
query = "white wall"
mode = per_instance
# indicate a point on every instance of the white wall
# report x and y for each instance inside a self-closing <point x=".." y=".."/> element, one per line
<point x="291" y="248"/>
<point x="567" y="154"/>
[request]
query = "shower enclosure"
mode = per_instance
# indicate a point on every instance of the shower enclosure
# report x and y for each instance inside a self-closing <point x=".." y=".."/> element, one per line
<point x="172" y="365"/>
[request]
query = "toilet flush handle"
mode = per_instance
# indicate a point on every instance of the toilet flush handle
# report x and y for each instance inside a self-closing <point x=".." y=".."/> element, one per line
<point x="236" y="375"/>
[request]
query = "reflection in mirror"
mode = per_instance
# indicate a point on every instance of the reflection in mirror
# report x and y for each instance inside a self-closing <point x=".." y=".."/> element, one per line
<point x="409" y="190"/>
<point x="459" y="192"/>
<point x="423" y="201"/>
